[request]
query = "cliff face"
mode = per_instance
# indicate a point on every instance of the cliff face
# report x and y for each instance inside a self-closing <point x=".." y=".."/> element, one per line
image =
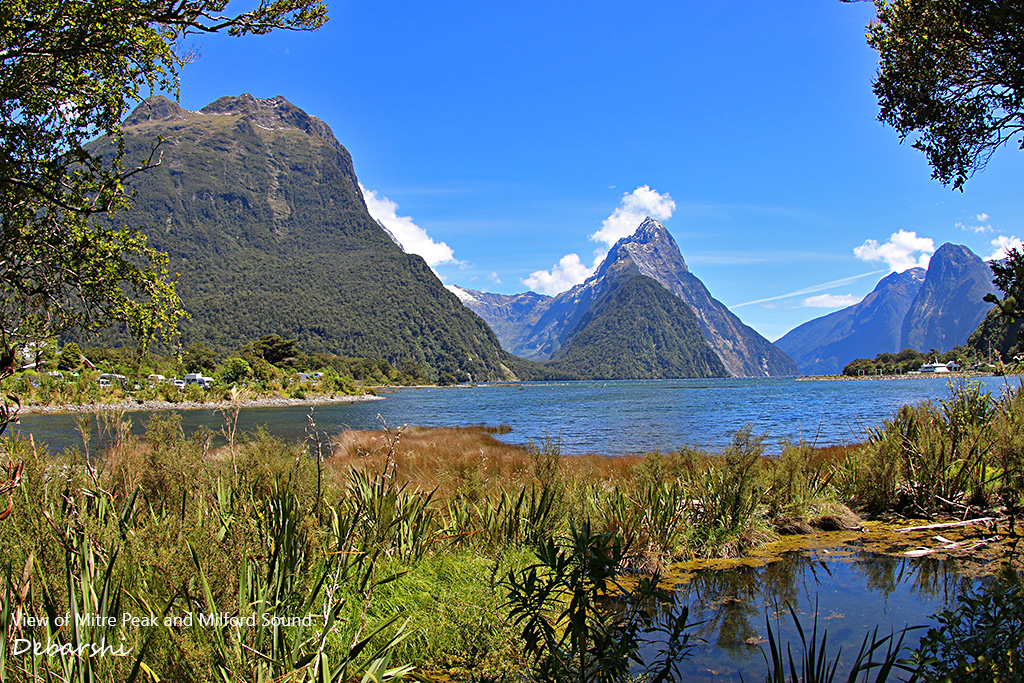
<point x="744" y="352"/>
<point x="950" y="304"/>
<point x="258" y="207"/>
<point x="825" y="345"/>
<point x="638" y="329"/>
<point x="923" y="310"/>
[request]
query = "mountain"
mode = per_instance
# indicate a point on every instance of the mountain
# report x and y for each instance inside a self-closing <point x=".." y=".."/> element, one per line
<point x="996" y="337"/>
<point x="512" y="317"/>
<point x="923" y="310"/>
<point x="950" y="304"/>
<point x="258" y="207"/>
<point x="638" y="330"/>
<point x="536" y="327"/>
<point x="824" y="346"/>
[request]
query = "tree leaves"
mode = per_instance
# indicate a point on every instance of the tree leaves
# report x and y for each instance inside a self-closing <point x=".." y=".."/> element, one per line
<point x="950" y="75"/>
<point x="71" y="69"/>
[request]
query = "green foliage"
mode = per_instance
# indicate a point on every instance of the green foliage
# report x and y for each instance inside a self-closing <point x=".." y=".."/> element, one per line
<point x="154" y="530"/>
<point x="928" y="458"/>
<point x="235" y="370"/>
<point x="979" y="640"/>
<point x="907" y="360"/>
<point x="509" y="520"/>
<point x="199" y="357"/>
<point x="389" y="518"/>
<point x="1008" y="276"/>
<point x="797" y="486"/>
<point x="572" y="629"/>
<point x="271" y="348"/>
<point x="69" y="72"/>
<point x="728" y="494"/>
<point x="652" y="519"/>
<point x="1001" y="329"/>
<point x="950" y="74"/>
<point x="70" y="357"/>
<point x="613" y="342"/>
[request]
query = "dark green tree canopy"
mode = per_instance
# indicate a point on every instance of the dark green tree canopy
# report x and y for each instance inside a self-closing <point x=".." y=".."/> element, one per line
<point x="951" y="76"/>
<point x="1008" y="274"/>
<point x="70" y="70"/>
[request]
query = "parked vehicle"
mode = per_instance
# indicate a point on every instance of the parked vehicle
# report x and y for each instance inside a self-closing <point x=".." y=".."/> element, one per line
<point x="196" y="378"/>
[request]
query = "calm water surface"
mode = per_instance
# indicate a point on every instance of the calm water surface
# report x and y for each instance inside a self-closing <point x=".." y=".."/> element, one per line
<point x="851" y="593"/>
<point x="611" y="418"/>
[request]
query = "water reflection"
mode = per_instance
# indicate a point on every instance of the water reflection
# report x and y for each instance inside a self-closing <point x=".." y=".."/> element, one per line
<point x="851" y="592"/>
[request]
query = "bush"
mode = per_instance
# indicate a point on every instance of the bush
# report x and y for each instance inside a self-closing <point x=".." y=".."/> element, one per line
<point x="728" y="494"/>
<point x="235" y="370"/>
<point x="979" y="640"/>
<point x="573" y="631"/>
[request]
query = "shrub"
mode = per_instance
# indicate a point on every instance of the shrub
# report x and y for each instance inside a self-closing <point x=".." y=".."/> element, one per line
<point x="979" y="640"/>
<point x="571" y="628"/>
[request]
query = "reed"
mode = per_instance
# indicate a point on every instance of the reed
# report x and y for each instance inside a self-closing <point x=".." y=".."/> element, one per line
<point x="929" y="459"/>
<point x="814" y="665"/>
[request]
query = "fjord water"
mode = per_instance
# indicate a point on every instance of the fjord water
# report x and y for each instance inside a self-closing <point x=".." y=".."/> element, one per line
<point x="609" y="418"/>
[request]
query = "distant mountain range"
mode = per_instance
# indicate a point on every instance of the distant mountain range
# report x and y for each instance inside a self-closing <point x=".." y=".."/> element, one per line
<point x="935" y="309"/>
<point x="543" y="327"/>
<point x="258" y="207"/>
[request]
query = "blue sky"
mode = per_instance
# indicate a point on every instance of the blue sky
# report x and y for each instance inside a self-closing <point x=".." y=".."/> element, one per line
<point x="510" y="134"/>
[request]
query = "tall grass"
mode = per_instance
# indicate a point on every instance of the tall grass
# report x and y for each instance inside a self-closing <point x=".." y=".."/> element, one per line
<point x="877" y="660"/>
<point x="398" y="540"/>
<point x="928" y="459"/>
<point x="226" y="582"/>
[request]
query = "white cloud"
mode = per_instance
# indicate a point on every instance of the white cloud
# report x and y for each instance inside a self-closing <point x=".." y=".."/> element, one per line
<point x="567" y="272"/>
<point x="1002" y="245"/>
<point x="899" y="251"/>
<point x="634" y="207"/>
<point x="412" y="238"/>
<point x="830" y="301"/>
<point x="982" y="224"/>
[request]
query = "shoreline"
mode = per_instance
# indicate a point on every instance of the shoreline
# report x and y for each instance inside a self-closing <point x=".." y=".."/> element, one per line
<point x="133" y="405"/>
<point x="920" y="375"/>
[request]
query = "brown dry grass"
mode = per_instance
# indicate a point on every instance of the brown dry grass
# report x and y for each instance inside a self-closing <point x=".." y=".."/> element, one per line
<point x="471" y="462"/>
<point x="467" y="461"/>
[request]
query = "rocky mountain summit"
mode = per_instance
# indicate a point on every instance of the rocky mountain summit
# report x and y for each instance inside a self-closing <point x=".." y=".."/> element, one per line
<point x="951" y="302"/>
<point x="535" y="326"/>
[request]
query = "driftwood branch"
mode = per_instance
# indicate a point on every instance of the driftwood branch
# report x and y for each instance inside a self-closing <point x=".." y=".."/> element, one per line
<point x="947" y="525"/>
<point x="962" y="545"/>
